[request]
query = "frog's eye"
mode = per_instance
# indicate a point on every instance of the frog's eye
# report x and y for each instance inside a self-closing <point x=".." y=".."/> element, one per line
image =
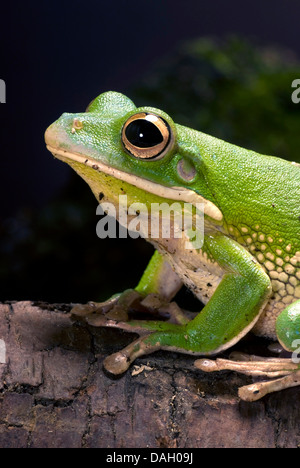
<point x="146" y="136"/>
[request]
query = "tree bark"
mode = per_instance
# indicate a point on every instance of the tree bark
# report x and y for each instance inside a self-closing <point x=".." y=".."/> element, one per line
<point x="54" y="392"/>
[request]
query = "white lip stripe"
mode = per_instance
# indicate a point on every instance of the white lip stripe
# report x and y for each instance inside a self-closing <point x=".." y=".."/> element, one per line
<point x="173" y="193"/>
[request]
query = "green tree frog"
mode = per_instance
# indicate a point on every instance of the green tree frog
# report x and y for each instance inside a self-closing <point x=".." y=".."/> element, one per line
<point x="246" y="272"/>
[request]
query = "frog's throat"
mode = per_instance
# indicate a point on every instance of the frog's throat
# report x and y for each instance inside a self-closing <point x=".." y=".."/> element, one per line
<point x="173" y="193"/>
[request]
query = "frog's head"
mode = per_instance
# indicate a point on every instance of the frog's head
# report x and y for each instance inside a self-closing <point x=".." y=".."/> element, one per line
<point x="121" y="149"/>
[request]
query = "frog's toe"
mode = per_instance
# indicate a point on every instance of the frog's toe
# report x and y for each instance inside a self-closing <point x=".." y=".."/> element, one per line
<point x="258" y="390"/>
<point x="92" y="308"/>
<point x="249" y="365"/>
<point x="81" y="310"/>
<point x="116" y="363"/>
<point x="119" y="362"/>
<point x="256" y="366"/>
<point x="106" y="321"/>
<point x="116" y="308"/>
<point x="253" y="392"/>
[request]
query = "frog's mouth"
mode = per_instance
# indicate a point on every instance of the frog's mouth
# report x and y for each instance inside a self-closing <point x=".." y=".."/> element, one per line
<point x="172" y="193"/>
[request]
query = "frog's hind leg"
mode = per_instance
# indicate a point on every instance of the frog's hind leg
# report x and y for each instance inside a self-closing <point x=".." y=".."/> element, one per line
<point x="286" y="372"/>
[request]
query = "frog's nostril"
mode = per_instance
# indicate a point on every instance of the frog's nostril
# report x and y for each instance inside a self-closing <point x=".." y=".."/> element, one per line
<point x="76" y="125"/>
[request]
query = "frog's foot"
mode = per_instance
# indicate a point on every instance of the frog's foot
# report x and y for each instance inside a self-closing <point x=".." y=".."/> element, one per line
<point x="114" y="313"/>
<point x="116" y="307"/>
<point x="286" y="369"/>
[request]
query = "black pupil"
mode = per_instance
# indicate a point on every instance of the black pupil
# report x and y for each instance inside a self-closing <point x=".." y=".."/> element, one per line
<point x="143" y="134"/>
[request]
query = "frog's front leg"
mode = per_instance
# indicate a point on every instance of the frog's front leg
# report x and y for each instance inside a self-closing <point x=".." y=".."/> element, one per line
<point x="153" y="294"/>
<point x="231" y="312"/>
<point x="284" y="372"/>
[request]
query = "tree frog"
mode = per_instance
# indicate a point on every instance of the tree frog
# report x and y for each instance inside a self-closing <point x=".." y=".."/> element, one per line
<point x="246" y="273"/>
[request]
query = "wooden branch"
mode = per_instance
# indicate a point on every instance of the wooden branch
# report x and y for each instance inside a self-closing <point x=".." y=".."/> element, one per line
<point x="54" y="393"/>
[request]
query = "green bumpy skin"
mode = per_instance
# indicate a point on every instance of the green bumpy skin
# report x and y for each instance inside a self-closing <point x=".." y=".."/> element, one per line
<point x="247" y="272"/>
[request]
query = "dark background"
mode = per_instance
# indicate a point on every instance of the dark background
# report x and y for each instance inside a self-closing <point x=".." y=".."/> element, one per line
<point x="57" y="56"/>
